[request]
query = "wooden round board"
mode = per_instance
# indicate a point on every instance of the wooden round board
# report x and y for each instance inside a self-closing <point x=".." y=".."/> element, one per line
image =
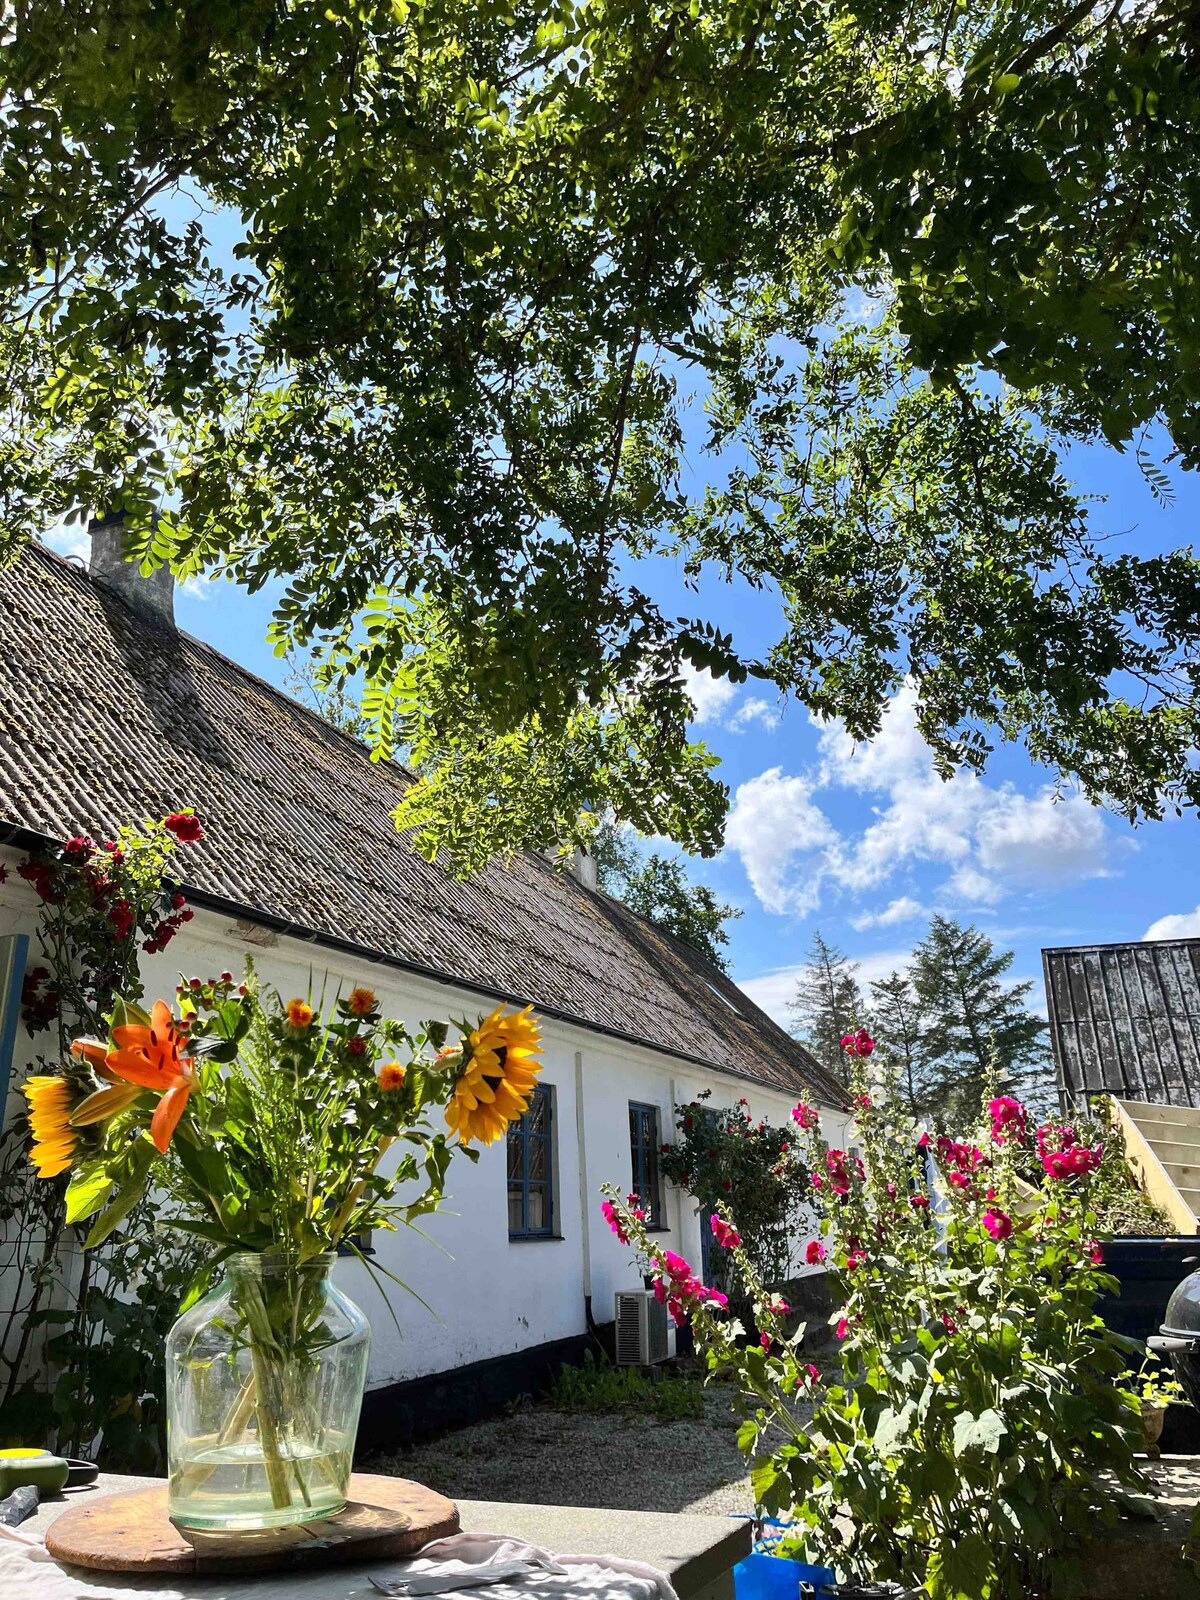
<point x="384" y="1518"/>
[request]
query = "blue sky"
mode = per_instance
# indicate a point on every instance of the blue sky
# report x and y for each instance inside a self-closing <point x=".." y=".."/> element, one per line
<point x="866" y="843"/>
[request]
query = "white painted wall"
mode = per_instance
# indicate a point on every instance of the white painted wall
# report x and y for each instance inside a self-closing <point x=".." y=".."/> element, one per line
<point x="493" y="1295"/>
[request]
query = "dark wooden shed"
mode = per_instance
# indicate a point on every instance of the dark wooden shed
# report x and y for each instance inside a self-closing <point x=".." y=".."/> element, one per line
<point x="1125" y="1020"/>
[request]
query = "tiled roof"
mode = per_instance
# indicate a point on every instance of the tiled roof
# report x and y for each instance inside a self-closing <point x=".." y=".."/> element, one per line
<point x="105" y="718"/>
<point x="1125" y="1019"/>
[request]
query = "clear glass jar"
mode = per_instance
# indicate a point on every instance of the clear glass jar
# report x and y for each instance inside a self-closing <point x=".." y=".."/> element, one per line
<point x="265" y="1378"/>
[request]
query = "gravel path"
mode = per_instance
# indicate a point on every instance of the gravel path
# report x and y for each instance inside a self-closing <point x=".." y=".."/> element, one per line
<point x="542" y="1456"/>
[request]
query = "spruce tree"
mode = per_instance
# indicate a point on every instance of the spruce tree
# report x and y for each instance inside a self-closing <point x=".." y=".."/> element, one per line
<point x="897" y="1023"/>
<point x="977" y="1028"/>
<point x="828" y="1002"/>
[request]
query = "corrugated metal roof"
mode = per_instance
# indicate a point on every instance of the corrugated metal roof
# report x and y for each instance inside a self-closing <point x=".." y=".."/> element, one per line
<point x="1125" y="1020"/>
<point x="103" y="719"/>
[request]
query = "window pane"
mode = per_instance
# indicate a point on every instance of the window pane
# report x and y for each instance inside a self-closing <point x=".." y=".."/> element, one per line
<point x="516" y="1156"/>
<point x="537" y="1116"/>
<point x="539" y="1160"/>
<point x="516" y="1216"/>
<point x="539" y="1210"/>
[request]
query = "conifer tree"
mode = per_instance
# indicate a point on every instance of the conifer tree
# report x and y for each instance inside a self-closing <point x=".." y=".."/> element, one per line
<point x="828" y="1002"/>
<point x="896" y="1021"/>
<point x="977" y="1028"/>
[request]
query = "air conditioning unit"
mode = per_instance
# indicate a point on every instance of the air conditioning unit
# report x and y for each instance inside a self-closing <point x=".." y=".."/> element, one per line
<point x="641" y="1328"/>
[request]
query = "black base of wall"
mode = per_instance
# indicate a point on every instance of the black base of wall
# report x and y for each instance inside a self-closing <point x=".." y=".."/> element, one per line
<point x="403" y="1413"/>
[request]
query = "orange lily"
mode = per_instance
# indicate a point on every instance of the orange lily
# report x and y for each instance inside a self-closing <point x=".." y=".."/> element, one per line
<point x="152" y="1057"/>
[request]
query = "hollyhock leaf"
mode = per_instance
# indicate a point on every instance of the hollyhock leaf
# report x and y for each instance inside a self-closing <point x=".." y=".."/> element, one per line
<point x="983" y="1432"/>
<point x="893" y="1429"/>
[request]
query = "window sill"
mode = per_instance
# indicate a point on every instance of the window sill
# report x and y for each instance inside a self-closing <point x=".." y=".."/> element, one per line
<point x="535" y="1238"/>
<point x="663" y="1227"/>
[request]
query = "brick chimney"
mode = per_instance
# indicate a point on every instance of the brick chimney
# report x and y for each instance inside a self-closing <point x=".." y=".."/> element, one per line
<point x="153" y="598"/>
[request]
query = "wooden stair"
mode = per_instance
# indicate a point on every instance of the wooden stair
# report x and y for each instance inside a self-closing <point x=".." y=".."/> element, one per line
<point x="1162" y="1146"/>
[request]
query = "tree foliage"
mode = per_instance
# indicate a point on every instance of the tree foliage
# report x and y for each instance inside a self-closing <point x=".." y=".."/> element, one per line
<point x="828" y="1002"/>
<point x="658" y="887"/>
<point x="977" y="1030"/>
<point x="401" y="304"/>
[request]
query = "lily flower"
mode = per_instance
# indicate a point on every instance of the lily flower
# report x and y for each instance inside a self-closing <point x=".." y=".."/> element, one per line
<point x="151" y="1057"/>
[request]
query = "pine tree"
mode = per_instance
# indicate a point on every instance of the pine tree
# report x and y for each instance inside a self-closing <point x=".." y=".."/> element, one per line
<point x="896" y="1021"/>
<point x="977" y="1028"/>
<point x="828" y="1002"/>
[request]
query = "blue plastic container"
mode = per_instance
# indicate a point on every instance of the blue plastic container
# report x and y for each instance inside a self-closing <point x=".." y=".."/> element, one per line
<point x="763" y="1577"/>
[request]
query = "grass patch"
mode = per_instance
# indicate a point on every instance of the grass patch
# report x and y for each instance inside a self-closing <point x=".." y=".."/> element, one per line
<point x="601" y="1388"/>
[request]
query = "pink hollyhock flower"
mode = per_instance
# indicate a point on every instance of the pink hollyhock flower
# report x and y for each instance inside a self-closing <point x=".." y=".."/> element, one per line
<point x="1009" y="1119"/>
<point x="608" y="1212"/>
<point x="815" y="1252"/>
<point x="1095" y="1253"/>
<point x="1076" y="1161"/>
<point x="813" y="1373"/>
<point x="855" y="1260"/>
<point x="779" y="1308"/>
<point x="858" y="1044"/>
<point x="806" y="1116"/>
<point x="764" y="1339"/>
<point x="998" y="1224"/>
<point x="949" y="1323"/>
<point x="960" y="1180"/>
<point x="924" y="1142"/>
<point x="843" y="1328"/>
<point x="817" y="1181"/>
<point x="725" y="1233"/>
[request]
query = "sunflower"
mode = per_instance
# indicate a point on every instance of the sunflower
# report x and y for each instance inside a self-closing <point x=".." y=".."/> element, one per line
<point x="499" y="1076"/>
<point x="50" y="1123"/>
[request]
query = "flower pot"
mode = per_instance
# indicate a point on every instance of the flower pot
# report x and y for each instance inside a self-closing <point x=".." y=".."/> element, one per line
<point x="1153" y="1417"/>
<point x="265" y="1378"/>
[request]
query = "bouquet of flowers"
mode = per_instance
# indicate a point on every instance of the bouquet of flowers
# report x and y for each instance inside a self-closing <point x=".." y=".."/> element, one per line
<point x="262" y="1123"/>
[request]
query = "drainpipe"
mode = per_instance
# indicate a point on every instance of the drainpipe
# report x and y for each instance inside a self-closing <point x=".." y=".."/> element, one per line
<point x="585" y="1198"/>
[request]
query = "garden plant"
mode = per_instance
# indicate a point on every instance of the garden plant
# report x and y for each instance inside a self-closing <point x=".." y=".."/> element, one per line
<point x="98" y="1319"/>
<point x="721" y="1152"/>
<point x="981" y="1418"/>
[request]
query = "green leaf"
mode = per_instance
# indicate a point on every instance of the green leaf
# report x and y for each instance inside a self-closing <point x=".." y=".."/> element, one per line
<point x="86" y="1193"/>
<point x="983" y="1432"/>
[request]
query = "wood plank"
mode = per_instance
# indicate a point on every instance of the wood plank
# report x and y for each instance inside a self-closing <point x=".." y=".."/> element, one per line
<point x="1180" y="1116"/>
<point x="1151" y="1175"/>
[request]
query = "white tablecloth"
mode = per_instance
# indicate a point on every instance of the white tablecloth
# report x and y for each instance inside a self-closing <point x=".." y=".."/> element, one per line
<point x="29" y="1572"/>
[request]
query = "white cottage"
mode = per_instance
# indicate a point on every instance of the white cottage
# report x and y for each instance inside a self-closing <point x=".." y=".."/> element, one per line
<point x="109" y="714"/>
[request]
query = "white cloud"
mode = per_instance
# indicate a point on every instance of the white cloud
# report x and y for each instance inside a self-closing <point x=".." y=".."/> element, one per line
<point x="709" y="695"/>
<point x="994" y="839"/>
<point x="69" y="540"/>
<point x="773" y="822"/>
<point x="905" y="909"/>
<point x="1181" y="925"/>
<point x="756" y="710"/>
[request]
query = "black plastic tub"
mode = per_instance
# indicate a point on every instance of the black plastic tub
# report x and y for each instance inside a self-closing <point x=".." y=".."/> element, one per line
<point x="1148" y="1270"/>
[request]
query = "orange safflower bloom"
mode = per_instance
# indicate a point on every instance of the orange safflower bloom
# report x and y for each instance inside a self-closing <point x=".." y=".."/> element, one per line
<point x="299" y="1013"/>
<point x="361" y="1002"/>
<point x="153" y="1057"/>
<point x="391" y="1076"/>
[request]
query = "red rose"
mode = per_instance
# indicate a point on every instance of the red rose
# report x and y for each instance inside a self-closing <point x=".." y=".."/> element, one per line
<point x="184" y="826"/>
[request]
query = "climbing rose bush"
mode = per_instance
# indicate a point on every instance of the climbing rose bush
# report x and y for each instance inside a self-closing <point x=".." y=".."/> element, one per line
<point x="978" y="1421"/>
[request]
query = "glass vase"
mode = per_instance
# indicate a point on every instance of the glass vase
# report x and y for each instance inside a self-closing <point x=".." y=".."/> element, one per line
<point x="265" y="1379"/>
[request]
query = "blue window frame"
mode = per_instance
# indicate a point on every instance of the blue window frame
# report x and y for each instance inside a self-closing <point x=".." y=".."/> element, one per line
<point x="645" y="1139"/>
<point x="531" y="1169"/>
<point x="14" y="952"/>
